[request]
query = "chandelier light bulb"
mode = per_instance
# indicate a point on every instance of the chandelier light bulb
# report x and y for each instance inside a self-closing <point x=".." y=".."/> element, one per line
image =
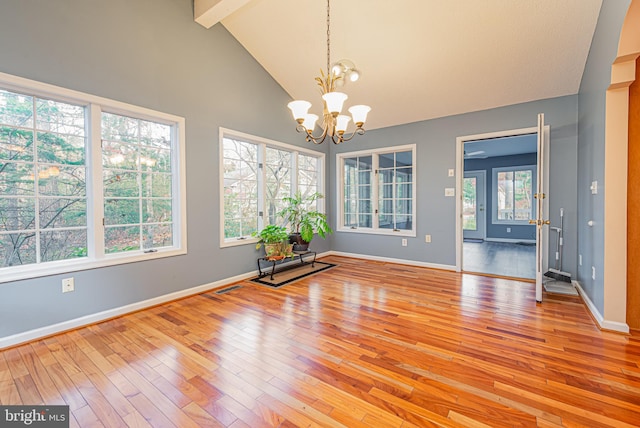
<point x="299" y="109"/>
<point x="342" y="121"/>
<point x="337" y="69"/>
<point x="310" y="122"/>
<point x="354" y="75"/>
<point x="334" y="101"/>
<point x="359" y="114"/>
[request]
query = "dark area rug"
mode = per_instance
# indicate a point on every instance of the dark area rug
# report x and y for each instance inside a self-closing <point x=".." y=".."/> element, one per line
<point x="291" y="273"/>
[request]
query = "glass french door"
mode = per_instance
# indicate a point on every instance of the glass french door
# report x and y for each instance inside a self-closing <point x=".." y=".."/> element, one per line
<point x="473" y="205"/>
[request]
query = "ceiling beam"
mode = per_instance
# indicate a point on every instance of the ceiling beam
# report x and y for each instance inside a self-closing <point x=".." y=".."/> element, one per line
<point x="209" y="12"/>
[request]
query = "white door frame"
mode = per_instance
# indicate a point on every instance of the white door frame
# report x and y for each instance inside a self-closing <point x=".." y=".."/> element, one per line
<point x="460" y="174"/>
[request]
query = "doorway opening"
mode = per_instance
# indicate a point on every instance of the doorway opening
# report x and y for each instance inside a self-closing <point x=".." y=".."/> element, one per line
<point x="497" y="188"/>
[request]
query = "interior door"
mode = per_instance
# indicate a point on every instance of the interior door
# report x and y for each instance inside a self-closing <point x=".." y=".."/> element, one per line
<point x="473" y="205"/>
<point x="542" y="208"/>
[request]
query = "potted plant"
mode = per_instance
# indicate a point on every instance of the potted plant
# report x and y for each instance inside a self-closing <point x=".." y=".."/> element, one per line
<point x="275" y="240"/>
<point x="303" y="220"/>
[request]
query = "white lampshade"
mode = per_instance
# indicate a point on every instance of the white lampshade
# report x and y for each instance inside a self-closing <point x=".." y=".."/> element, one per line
<point x="299" y="108"/>
<point x="359" y="113"/>
<point x="334" y="101"/>
<point x="310" y="121"/>
<point x="342" y="122"/>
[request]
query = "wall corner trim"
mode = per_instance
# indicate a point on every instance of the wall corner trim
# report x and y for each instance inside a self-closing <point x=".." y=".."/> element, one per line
<point x="597" y="316"/>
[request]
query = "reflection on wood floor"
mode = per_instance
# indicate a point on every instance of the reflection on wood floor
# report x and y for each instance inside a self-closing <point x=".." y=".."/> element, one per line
<point x="516" y="260"/>
<point x="366" y="344"/>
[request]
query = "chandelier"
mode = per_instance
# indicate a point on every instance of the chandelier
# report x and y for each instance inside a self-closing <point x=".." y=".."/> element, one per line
<point x="334" y="124"/>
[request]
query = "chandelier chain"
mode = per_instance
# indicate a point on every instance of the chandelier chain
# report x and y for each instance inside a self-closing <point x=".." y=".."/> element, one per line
<point x="328" y="38"/>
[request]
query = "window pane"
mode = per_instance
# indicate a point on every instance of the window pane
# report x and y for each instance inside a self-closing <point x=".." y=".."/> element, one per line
<point x="156" y="210"/>
<point x="17" y="214"/>
<point x="469" y="203"/>
<point x="156" y="185"/>
<point x="63" y="245"/>
<point x="121" y="239"/>
<point x="240" y="163"/>
<point x="17" y="179"/>
<point x="44" y="192"/>
<point x="16" y="109"/>
<point x="17" y="249"/>
<point x="121" y="183"/>
<point x="157" y="235"/>
<point x="121" y="211"/>
<point x="278" y="182"/>
<point x="386" y="160"/>
<point x="60" y="118"/>
<point x="138" y="178"/>
<point x="61" y="181"/>
<point x="15" y="144"/>
<point x="404" y="159"/>
<point x="55" y="213"/>
<point x="522" y="195"/>
<point x="505" y="196"/>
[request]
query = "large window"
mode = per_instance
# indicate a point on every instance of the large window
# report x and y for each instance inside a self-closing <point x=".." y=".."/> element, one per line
<point x="256" y="175"/>
<point x="82" y="186"/>
<point x="377" y="191"/>
<point x="513" y="189"/>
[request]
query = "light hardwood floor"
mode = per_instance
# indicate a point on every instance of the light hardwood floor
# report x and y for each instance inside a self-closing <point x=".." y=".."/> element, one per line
<point x="365" y="344"/>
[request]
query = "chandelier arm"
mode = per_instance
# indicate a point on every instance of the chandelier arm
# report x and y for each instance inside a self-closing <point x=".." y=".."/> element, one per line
<point x="341" y="139"/>
<point x="310" y="137"/>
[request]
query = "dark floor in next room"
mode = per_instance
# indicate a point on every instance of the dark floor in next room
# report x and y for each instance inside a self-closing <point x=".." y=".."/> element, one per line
<point x="500" y="258"/>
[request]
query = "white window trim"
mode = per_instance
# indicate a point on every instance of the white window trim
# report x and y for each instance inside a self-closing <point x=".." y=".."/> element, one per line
<point x="374" y="192"/>
<point x="263" y="142"/>
<point x="95" y="233"/>
<point x="494" y="193"/>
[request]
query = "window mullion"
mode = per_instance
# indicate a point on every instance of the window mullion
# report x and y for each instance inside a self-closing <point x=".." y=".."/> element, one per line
<point x="261" y="185"/>
<point x="375" y="191"/>
<point x="36" y="181"/>
<point x="95" y="191"/>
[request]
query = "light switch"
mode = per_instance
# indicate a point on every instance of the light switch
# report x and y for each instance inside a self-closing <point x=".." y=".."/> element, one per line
<point x="449" y="191"/>
<point x="452" y="172"/>
<point x="594" y="187"/>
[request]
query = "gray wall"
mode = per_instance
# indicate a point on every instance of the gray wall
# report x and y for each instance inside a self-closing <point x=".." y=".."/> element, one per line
<point x="149" y="53"/>
<point x="591" y="108"/>
<point x="499" y="231"/>
<point x="436" y="153"/>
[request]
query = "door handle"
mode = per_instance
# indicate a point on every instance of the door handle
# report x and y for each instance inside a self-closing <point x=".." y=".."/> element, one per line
<point x="540" y="222"/>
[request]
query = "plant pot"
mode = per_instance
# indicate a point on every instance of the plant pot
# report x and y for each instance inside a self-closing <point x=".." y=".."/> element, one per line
<point x="278" y="250"/>
<point x="299" y="244"/>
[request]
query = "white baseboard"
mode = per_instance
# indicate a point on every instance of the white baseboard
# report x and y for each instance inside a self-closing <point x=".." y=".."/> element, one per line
<point x="602" y="323"/>
<point x="392" y="260"/>
<point x="509" y="240"/>
<point x="49" y="330"/>
<point x="28" y="336"/>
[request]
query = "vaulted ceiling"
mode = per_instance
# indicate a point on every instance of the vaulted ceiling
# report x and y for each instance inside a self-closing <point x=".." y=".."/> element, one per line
<point x="420" y="59"/>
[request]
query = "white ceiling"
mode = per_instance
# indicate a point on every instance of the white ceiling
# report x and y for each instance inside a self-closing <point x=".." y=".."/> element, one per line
<point x="422" y="59"/>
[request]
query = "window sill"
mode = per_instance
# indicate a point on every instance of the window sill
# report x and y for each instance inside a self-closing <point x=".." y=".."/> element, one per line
<point x="237" y="242"/>
<point x="386" y="232"/>
<point x="16" y="273"/>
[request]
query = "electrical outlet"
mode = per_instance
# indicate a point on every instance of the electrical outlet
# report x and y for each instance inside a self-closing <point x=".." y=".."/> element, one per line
<point x="580" y="259"/>
<point x="404" y="242"/>
<point x="593" y="273"/>
<point x="67" y="285"/>
<point x="427" y="238"/>
<point x="452" y="172"/>
<point x="508" y="230"/>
